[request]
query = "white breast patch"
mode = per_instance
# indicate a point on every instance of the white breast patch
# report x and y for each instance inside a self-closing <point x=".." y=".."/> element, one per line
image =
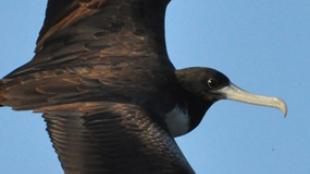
<point x="177" y="121"/>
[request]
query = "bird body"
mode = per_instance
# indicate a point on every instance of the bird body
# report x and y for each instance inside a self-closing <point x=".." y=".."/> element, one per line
<point x="103" y="80"/>
<point x="112" y="100"/>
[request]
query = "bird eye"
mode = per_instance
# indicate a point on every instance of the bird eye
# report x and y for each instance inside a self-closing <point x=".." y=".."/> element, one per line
<point x="211" y="83"/>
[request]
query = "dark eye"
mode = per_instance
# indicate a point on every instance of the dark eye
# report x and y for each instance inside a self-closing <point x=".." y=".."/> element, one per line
<point x="211" y="83"/>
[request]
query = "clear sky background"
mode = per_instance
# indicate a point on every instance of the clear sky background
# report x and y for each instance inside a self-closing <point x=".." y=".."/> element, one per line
<point x="263" y="46"/>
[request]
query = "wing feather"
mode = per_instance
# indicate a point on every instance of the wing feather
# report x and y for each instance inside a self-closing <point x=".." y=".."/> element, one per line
<point x="71" y="12"/>
<point x="103" y="137"/>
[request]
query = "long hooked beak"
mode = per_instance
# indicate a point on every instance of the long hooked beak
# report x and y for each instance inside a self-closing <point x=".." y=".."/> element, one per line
<point x="233" y="92"/>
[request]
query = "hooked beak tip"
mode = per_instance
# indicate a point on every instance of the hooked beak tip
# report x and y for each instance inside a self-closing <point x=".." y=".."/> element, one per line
<point x="282" y="106"/>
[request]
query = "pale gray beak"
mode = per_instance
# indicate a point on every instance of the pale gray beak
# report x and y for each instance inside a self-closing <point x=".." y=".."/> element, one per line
<point x="232" y="92"/>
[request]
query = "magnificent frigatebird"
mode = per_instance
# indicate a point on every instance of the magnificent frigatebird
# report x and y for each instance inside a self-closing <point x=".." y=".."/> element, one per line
<point x="112" y="100"/>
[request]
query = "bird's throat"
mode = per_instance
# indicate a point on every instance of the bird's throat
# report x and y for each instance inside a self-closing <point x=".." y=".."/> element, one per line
<point x="178" y="121"/>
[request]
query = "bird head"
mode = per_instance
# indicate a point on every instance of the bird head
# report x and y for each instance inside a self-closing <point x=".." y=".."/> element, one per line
<point x="209" y="85"/>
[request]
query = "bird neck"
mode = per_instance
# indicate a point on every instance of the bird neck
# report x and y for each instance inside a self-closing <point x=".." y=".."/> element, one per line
<point x="195" y="104"/>
<point x="196" y="110"/>
<point x="136" y="27"/>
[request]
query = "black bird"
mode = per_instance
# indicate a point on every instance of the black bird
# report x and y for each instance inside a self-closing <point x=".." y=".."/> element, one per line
<point x="112" y="100"/>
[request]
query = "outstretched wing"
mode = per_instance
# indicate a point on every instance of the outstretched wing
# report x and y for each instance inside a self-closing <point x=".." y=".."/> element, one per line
<point x="102" y="137"/>
<point x="79" y="32"/>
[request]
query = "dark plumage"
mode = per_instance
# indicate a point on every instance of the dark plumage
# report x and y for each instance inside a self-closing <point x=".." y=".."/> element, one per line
<point x="111" y="98"/>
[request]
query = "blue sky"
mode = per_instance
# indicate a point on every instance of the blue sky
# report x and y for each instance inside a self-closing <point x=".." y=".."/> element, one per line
<point x="263" y="46"/>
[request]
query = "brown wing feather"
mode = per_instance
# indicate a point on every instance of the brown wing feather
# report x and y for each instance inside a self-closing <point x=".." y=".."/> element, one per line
<point x="71" y="13"/>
